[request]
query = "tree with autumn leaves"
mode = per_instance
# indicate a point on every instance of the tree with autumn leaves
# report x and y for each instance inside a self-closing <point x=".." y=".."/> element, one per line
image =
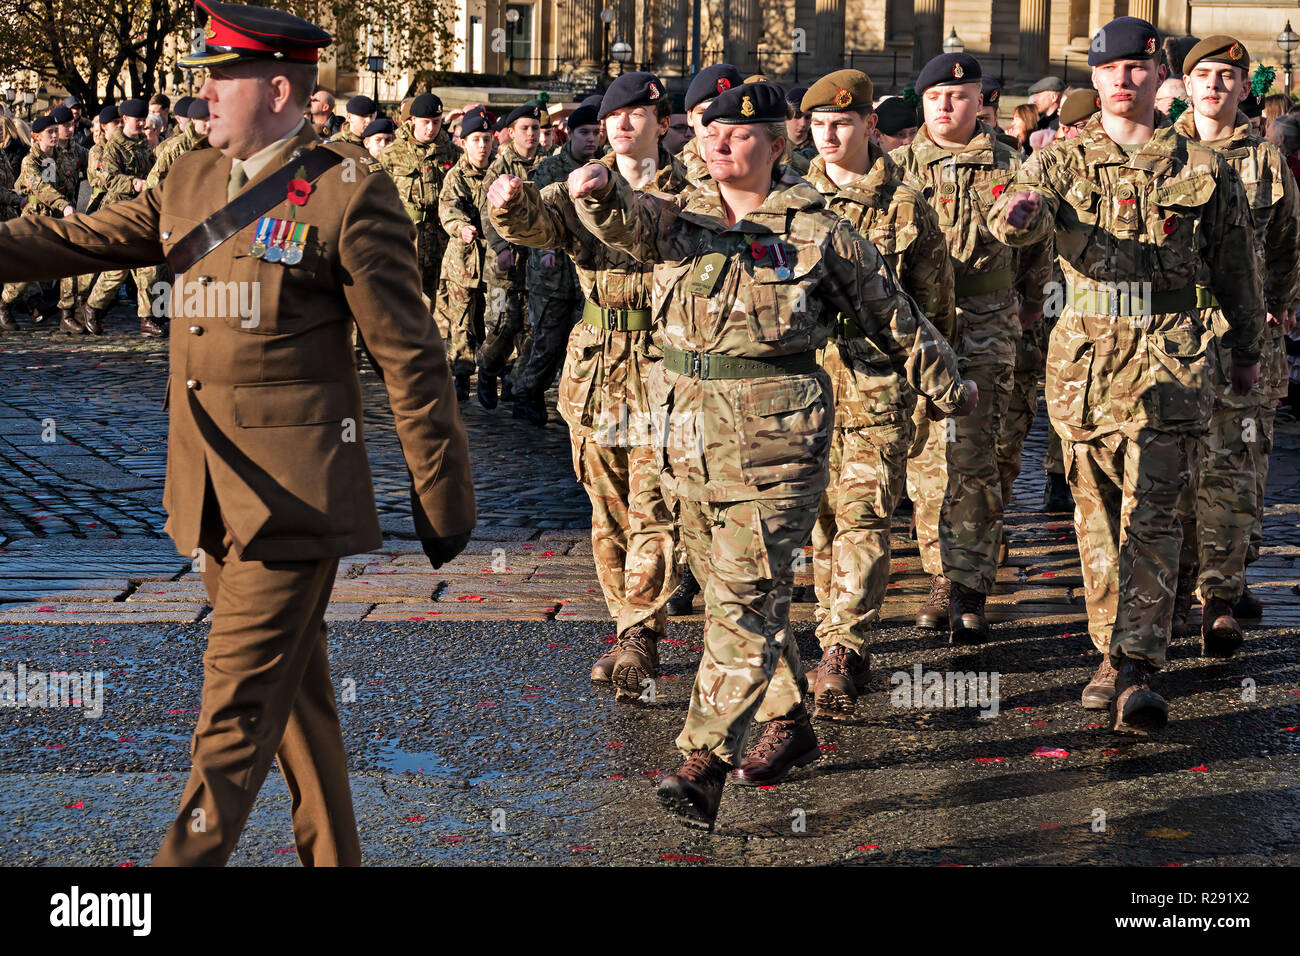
<point x="128" y="47"/>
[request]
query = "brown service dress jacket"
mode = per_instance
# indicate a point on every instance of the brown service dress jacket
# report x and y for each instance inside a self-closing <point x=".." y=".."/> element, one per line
<point x="264" y="407"/>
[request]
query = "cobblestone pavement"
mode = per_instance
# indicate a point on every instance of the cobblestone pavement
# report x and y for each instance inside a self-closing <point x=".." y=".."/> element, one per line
<point x="453" y="684"/>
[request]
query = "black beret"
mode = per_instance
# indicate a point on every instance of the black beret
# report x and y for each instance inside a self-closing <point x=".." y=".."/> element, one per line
<point x="362" y="106"/>
<point x="475" y="121"/>
<point x="841" y="90"/>
<point x="1124" y="38"/>
<point x="133" y="107"/>
<point x="426" y="106"/>
<point x="1217" y="49"/>
<point x="894" y="115"/>
<point x="109" y="114"/>
<point x="631" y="89"/>
<point x="527" y="111"/>
<point x="71" y="101"/>
<point x="795" y="97"/>
<point x="949" y="69"/>
<point x="377" y="126"/>
<point x="991" y="89"/>
<point x="42" y="123"/>
<point x="1252" y="106"/>
<point x="592" y="100"/>
<point x="748" y="103"/>
<point x="61" y="114"/>
<point x="198" y="109"/>
<point x="182" y="106"/>
<point x="711" y="82"/>
<point x="583" y="116"/>
<point x="234" y="32"/>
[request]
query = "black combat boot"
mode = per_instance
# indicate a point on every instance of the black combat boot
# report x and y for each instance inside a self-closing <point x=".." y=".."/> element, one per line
<point x="7" y="321"/>
<point x="1137" y="709"/>
<point x="1057" y="498"/>
<point x="1183" y="597"/>
<point x="682" y="602"/>
<point x="487" y="389"/>
<point x="462" y="388"/>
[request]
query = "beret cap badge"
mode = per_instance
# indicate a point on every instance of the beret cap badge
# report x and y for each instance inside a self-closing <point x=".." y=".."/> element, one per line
<point x="653" y="91"/>
<point x="1236" y="51"/>
<point x="723" y="84"/>
<point x="1151" y="45"/>
<point x="957" y="71"/>
<point x="746" y="106"/>
<point x="843" y="97"/>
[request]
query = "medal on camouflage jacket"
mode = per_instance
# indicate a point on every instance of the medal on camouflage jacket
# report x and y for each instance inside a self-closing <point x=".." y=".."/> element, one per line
<point x="782" y="264"/>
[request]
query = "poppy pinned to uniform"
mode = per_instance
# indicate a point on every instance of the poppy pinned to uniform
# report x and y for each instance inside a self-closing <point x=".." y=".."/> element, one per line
<point x="1170" y="225"/>
<point x="998" y="190"/>
<point x="299" y="190"/>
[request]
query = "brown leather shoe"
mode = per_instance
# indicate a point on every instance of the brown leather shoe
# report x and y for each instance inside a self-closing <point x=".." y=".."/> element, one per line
<point x="7" y="321"/>
<point x="151" y="329"/>
<point x="966" y="616"/>
<point x="694" y="792"/>
<point x="1101" y="689"/>
<point x="836" y="682"/>
<point x="783" y="744"/>
<point x="1220" y="632"/>
<point x="1182" y="607"/>
<point x="603" y="669"/>
<point x="1136" y="709"/>
<point x="93" y="319"/>
<point x="70" y="322"/>
<point x="637" y="661"/>
<point x="933" y="616"/>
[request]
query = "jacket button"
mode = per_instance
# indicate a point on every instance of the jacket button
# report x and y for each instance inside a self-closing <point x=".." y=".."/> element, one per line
<point x="196" y="330"/>
<point x="192" y="383"/>
<point x="167" y="234"/>
<point x="204" y="280"/>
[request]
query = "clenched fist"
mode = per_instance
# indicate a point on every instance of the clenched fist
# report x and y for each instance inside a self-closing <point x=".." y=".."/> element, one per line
<point x="506" y="260"/>
<point x="587" y="178"/>
<point x="502" y="190"/>
<point x="468" y="234"/>
<point x="1022" y="210"/>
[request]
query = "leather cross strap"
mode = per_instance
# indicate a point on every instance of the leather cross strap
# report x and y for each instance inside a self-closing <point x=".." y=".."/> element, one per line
<point x="248" y="207"/>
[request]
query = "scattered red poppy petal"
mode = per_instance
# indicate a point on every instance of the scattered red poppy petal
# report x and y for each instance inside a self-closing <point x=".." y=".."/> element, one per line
<point x="487" y="703"/>
<point x="615" y="776"/>
<point x="74" y="806"/>
<point x="127" y="863"/>
<point x="1049" y="574"/>
<point x="1291" y="728"/>
<point x="53" y="746"/>
<point x="125" y="740"/>
<point x="770" y="786"/>
<point x="869" y="846"/>
<point x="179" y="711"/>
<point x="580" y="849"/>
<point x="530" y="696"/>
<point x="682" y="858"/>
<point x="470" y="597"/>
<point x="167" y="777"/>
<point x="45" y="608"/>
<point x="1201" y="768"/>
<point x="552" y="645"/>
<point x="1040" y="723"/>
<point x="532" y="687"/>
<point x="613" y="743"/>
<point x="1049" y="826"/>
<point x="675" y="641"/>
<point x="1051" y="752"/>
<point x="1111" y="750"/>
<point x="1024" y="708"/>
<point x="1092" y="726"/>
<point x="451" y="839"/>
<point x="946" y="863"/>
<point x="990" y="759"/>
<point x="650" y="773"/>
<point x="825" y="747"/>
<point x="284" y="849"/>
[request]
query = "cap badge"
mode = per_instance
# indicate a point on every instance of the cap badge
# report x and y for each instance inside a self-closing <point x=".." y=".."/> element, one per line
<point x="746" y="106"/>
<point x="653" y="92"/>
<point x="843" y="98"/>
<point x="1236" y="52"/>
<point x="724" y="84"/>
<point x="1151" y="45"/>
<point x="208" y="30"/>
<point x="957" y="71"/>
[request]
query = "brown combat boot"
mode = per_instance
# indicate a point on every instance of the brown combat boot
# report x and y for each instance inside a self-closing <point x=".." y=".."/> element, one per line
<point x="1136" y="709"/>
<point x="1182" y="607"/>
<point x="1101" y="689"/>
<point x="602" y="671"/>
<point x="93" y="319"/>
<point x="783" y="744"/>
<point x="70" y="322"/>
<point x="933" y="616"/>
<point x="694" y="792"/>
<point x="1220" y="632"/>
<point x="836" y="682"/>
<point x="7" y="321"/>
<point x="966" y="616"/>
<point x="637" y="662"/>
<point x="151" y="329"/>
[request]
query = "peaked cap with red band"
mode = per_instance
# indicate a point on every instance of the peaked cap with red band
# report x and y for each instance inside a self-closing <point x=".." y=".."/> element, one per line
<point x="233" y="32"/>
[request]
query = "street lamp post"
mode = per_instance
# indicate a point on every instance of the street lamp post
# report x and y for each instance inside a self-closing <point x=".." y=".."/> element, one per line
<point x="512" y="17"/>
<point x="606" y="17"/>
<point x="1287" y="41"/>
<point x="376" y="66"/>
<point x="622" y="52"/>
<point x="952" y="43"/>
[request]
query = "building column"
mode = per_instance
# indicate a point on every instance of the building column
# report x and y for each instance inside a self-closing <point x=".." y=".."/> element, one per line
<point x="828" y="36"/>
<point x="745" y="31"/>
<point x="927" y="31"/>
<point x="674" y="51"/>
<point x="585" y="30"/>
<point x="1143" y="9"/>
<point x="1034" y="38"/>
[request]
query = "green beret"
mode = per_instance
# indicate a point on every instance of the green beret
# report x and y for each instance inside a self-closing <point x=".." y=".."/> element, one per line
<point x="1218" y="49"/>
<point x="1078" y="106"/>
<point x="837" y="92"/>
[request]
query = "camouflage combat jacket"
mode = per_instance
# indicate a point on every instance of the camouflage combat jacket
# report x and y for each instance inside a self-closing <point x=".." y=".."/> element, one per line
<point x="445" y="151"/>
<point x="10" y="202"/>
<point x="94" y="173"/>
<point x="170" y="151"/>
<point x="123" y="161"/>
<point x="458" y="205"/>
<point x="345" y="135"/>
<point x="559" y="281"/>
<point x="961" y="188"/>
<point x="418" y="172"/>
<point x="1275" y="212"/>
<point x="48" y="182"/>
<point x="770" y="286"/>
<point x="692" y="157"/>
<point x="1147" y="226"/>
<point x="76" y="155"/>
<point x="905" y="231"/>
<point x="604" y="390"/>
<point x="507" y="163"/>
<point x="801" y="157"/>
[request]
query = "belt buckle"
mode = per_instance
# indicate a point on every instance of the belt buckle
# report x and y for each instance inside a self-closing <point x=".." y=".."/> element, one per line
<point x="696" y="364"/>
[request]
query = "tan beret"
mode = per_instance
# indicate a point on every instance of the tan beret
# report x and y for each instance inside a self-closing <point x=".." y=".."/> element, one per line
<point x="1218" y="49"/>
<point x="838" y="91"/>
<point x="1078" y="106"/>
